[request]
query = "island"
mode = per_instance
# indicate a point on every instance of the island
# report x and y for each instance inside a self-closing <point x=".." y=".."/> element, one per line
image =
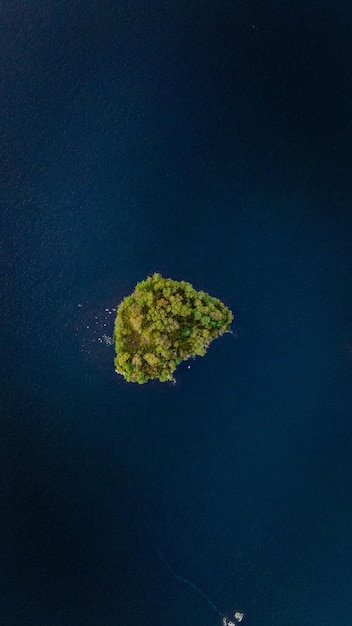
<point x="162" y="323"/>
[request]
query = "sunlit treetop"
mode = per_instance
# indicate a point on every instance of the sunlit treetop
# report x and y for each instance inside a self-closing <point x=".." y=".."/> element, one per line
<point x="162" y="323"/>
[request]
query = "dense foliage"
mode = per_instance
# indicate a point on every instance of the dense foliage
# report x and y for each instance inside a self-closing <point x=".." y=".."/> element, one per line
<point x="162" y="323"/>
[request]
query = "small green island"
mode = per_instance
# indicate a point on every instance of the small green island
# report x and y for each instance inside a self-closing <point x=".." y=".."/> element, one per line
<point x="162" y="323"/>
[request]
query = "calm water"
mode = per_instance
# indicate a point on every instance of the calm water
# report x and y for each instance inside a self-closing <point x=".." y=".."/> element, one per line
<point x="210" y="142"/>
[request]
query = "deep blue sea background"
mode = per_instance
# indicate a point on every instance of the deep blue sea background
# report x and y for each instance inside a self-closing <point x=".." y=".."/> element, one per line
<point x="212" y="142"/>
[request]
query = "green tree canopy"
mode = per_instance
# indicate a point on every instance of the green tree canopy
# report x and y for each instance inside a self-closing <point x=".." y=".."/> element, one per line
<point x="162" y="323"/>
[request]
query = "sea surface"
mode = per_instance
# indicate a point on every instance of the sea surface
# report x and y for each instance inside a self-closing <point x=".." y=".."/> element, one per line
<point x="209" y="141"/>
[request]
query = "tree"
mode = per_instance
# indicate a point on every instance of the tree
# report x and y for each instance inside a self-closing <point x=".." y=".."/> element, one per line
<point x="162" y="323"/>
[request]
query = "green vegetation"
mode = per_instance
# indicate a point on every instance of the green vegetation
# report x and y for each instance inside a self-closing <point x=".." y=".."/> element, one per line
<point x="162" y="323"/>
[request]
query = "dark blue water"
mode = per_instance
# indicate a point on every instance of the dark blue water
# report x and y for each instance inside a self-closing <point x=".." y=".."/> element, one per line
<point x="209" y="141"/>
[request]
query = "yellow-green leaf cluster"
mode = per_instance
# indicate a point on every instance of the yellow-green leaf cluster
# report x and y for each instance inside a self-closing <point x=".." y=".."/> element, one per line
<point x="162" y="323"/>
